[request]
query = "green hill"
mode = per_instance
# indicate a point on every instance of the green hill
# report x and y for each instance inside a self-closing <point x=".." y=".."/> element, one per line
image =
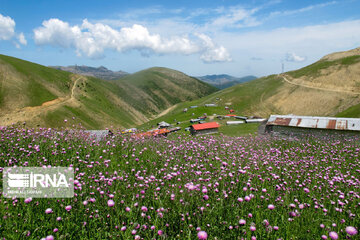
<point x="42" y="96"/>
<point x="329" y="87"/>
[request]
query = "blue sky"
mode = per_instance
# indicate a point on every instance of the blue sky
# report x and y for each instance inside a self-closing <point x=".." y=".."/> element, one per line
<point x="196" y="37"/>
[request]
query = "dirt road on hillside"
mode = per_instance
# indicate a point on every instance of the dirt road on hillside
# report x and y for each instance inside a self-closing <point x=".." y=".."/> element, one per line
<point x="318" y="88"/>
<point x="27" y="113"/>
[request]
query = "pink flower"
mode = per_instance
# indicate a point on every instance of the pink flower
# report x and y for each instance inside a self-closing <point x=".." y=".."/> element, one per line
<point x="271" y="206"/>
<point x="160" y="232"/>
<point x="144" y="209"/>
<point x="50" y="237"/>
<point x="202" y="235"/>
<point x="68" y="208"/>
<point x="351" y="230"/>
<point x="28" y="200"/>
<point x="252" y="228"/>
<point x="48" y="211"/>
<point x="242" y="222"/>
<point x="110" y="203"/>
<point x="333" y="235"/>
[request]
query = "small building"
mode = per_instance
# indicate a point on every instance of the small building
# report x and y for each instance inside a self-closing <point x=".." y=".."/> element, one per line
<point x="241" y="117"/>
<point x="291" y="124"/>
<point x="210" y="105"/>
<point x="234" y="122"/>
<point x="163" y="124"/>
<point x="204" y="128"/>
<point x="195" y="120"/>
<point x="175" y="129"/>
<point x="97" y="135"/>
<point x="255" y="120"/>
<point x="193" y="106"/>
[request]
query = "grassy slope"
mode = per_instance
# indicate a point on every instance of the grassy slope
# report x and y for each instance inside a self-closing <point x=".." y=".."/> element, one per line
<point x="249" y="98"/>
<point x="315" y="68"/>
<point x="99" y="103"/>
<point x="242" y="98"/>
<point x="155" y="89"/>
<point x="38" y="81"/>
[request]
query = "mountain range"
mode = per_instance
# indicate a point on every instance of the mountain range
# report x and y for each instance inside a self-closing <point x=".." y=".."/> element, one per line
<point x="98" y="72"/>
<point x="222" y="81"/>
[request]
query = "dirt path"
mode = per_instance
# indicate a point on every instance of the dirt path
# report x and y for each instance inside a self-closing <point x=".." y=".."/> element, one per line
<point x="26" y="113"/>
<point x="166" y="111"/>
<point x="318" y="88"/>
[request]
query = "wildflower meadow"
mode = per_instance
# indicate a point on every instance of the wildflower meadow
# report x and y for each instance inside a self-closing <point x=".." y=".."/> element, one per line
<point x="182" y="187"/>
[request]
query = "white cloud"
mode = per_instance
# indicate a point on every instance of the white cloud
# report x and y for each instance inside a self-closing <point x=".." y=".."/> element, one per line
<point x="213" y="53"/>
<point x="308" y="40"/>
<point x="92" y="40"/>
<point x="7" y="27"/>
<point x="21" y="39"/>
<point x="7" y="31"/>
<point x="234" y="17"/>
<point x="292" y="57"/>
<point x="304" y="9"/>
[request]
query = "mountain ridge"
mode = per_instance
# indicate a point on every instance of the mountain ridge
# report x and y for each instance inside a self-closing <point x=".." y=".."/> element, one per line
<point x="99" y="72"/>
<point x="222" y="81"/>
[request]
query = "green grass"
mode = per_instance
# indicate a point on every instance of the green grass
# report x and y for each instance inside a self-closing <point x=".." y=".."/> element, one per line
<point x="38" y="94"/>
<point x="351" y="112"/>
<point x="239" y="130"/>
<point x="38" y="73"/>
<point x="315" y="68"/>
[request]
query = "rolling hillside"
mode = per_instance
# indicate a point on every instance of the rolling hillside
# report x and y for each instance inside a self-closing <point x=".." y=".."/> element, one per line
<point x="42" y="96"/>
<point x="328" y="87"/>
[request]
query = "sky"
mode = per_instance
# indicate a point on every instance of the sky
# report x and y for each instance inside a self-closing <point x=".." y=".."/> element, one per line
<point x="199" y="38"/>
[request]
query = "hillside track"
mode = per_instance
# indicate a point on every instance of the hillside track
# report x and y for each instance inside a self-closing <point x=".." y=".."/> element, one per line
<point x="27" y="113"/>
<point x="317" y="88"/>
